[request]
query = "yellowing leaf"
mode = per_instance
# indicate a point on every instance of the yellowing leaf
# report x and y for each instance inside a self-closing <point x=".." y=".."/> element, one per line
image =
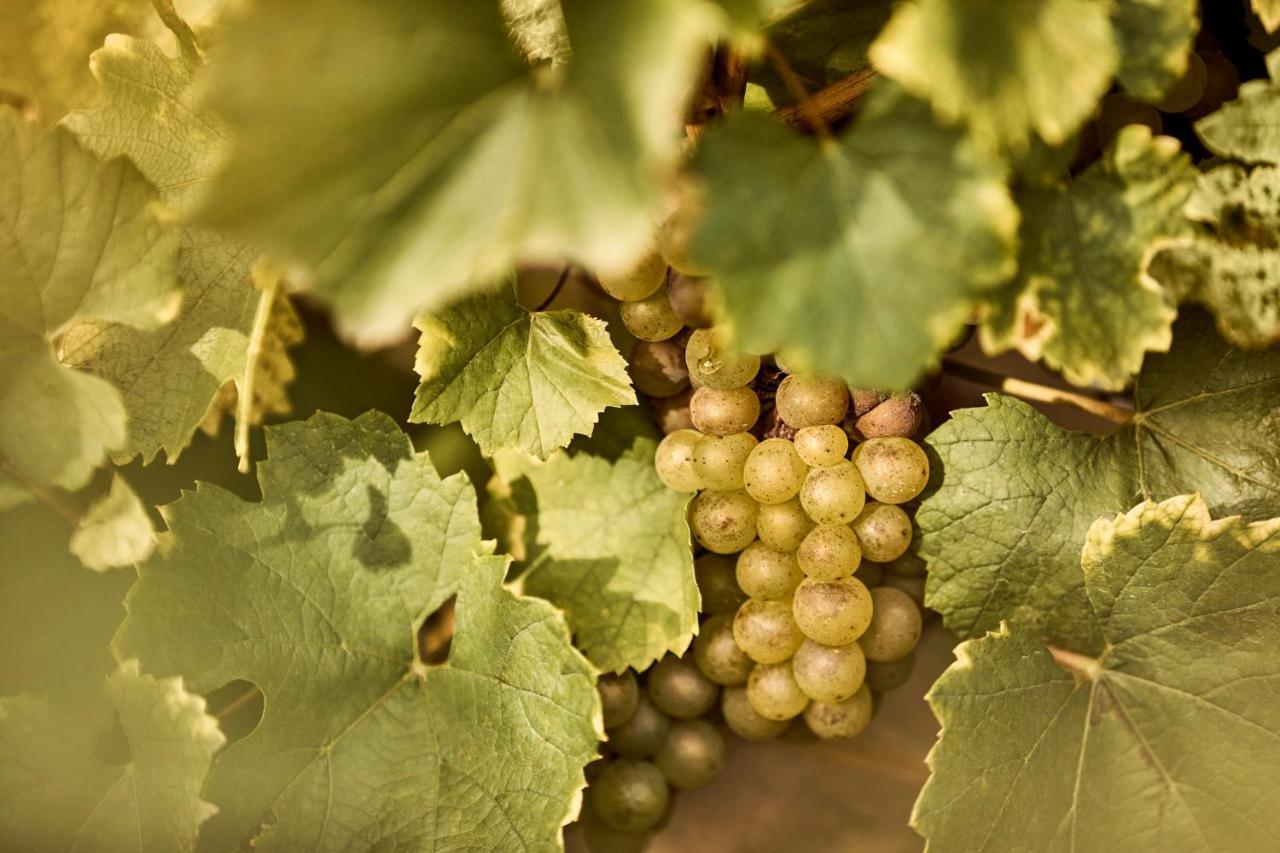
<point x="1155" y="39"/>
<point x="115" y="531"/>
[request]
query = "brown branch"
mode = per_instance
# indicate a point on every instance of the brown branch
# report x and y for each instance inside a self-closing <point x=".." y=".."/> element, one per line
<point x="1035" y="391"/>
<point x="831" y="104"/>
<point x="555" y="291"/>
<point x="813" y="117"/>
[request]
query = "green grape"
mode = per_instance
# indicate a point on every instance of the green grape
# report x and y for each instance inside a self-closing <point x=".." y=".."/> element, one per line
<point x="657" y="368"/>
<point x="679" y="689"/>
<point x="724" y="412"/>
<point x="900" y="415"/>
<point x="639" y="281"/>
<point x="865" y="399"/>
<point x="712" y="364"/>
<point x="834" y="720"/>
<point x="774" y="472"/>
<point x="723" y="522"/>
<point x="830" y="551"/>
<point x="717" y="654"/>
<point x="718" y="459"/>
<point x="672" y="413"/>
<point x="912" y="587"/>
<point x="822" y="445"/>
<point x="718" y="585"/>
<point x="883" y="677"/>
<point x="674" y="461"/>
<point x="674" y="234"/>
<point x="689" y="299"/>
<point x="783" y="526"/>
<point x="630" y="796"/>
<point x="834" y="612"/>
<point x="642" y="734"/>
<point x="829" y="673"/>
<point x="894" y="469"/>
<point x="895" y="626"/>
<point x="805" y="401"/>
<point x="692" y="755"/>
<point x="871" y="574"/>
<point x="772" y="690"/>
<point x="763" y="572"/>
<point x="767" y="630"/>
<point x="743" y="720"/>
<point x="619" y="695"/>
<point x="651" y="318"/>
<point x="884" y="531"/>
<point x="833" y="495"/>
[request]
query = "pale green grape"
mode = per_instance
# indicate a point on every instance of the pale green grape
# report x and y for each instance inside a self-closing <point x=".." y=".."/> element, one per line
<point x="744" y="721"/>
<point x="692" y="755"/>
<point x="717" y="653"/>
<point x="674" y="460"/>
<point x="630" y="796"/>
<point x="674" y="234"/>
<point x="829" y="673"/>
<point x="772" y="690"/>
<point x="619" y="695"/>
<point x="895" y="626"/>
<point x="718" y="459"/>
<point x="834" y="612"/>
<point x="639" y="281"/>
<point x="767" y="630"/>
<point x="829" y="551"/>
<point x="689" y="299"/>
<point x="651" y="318"/>
<point x="657" y="368"/>
<point x="763" y="572"/>
<point x="679" y="689"/>
<point x="884" y="531"/>
<point x="774" y="472"/>
<point x="713" y="364"/>
<point x="900" y="415"/>
<point x="834" y="494"/>
<point x="805" y="401"/>
<point x="716" y="582"/>
<point x="835" y="720"/>
<point x="642" y="734"/>
<point x="783" y="526"/>
<point x="724" y="522"/>
<point x="911" y="586"/>
<point x="821" y="445"/>
<point x="724" y="412"/>
<point x="894" y="469"/>
<point x="882" y="677"/>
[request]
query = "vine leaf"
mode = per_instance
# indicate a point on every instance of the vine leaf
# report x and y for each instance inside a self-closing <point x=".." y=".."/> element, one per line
<point x="515" y="378"/>
<point x="115" y="531"/>
<point x="406" y="152"/>
<point x="1082" y="299"/>
<point x="1268" y="11"/>
<point x="83" y="242"/>
<point x="316" y="595"/>
<point x="1105" y="749"/>
<point x="860" y="258"/>
<point x="1245" y="129"/>
<point x="1155" y="39"/>
<point x="608" y="543"/>
<point x="1013" y="495"/>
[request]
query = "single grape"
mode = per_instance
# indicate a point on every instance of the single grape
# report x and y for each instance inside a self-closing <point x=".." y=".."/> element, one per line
<point x="619" y="695"/>
<point x="911" y="586"/>
<point x="672" y="413"/>
<point x="639" y="281"/>
<point x="805" y="401"/>
<point x="900" y="415"/>
<point x="772" y="690"/>
<point x="895" y="626"/>
<point x="651" y="318"/>
<point x="723" y="522"/>
<point x="829" y="673"/>
<point x="884" y="531"/>
<point x="834" y="720"/>
<point x="883" y="677"/>
<point x="642" y="734"/>
<point x="894" y="469"/>
<point x="834" y="612"/>
<point x="830" y="551"/>
<point x="679" y="689"/>
<point x="689" y="299"/>
<point x="713" y="364"/>
<point x="822" y="445"/>
<point x="717" y="583"/>
<point x="834" y="494"/>
<point x="744" y="721"/>
<point x="774" y="472"/>
<point x="692" y="755"/>
<point x="674" y="460"/>
<point x="717" y="653"/>
<point x="865" y="399"/>
<point x="630" y="796"/>
<point x="783" y="526"/>
<point x="767" y="630"/>
<point x="724" y="412"/>
<point x="871" y="574"/>
<point x="657" y="368"/>
<point x="763" y="572"/>
<point x="718" y="459"/>
<point x="674" y="234"/>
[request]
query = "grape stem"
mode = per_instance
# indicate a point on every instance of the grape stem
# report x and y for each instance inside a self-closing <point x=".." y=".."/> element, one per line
<point x="1035" y="391"/>
<point x="555" y="290"/>
<point x="833" y="103"/>
<point x="237" y="703"/>
<point x="804" y="103"/>
<point x="54" y="499"/>
<point x="180" y="29"/>
<point x="244" y="399"/>
<point x="1076" y="663"/>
